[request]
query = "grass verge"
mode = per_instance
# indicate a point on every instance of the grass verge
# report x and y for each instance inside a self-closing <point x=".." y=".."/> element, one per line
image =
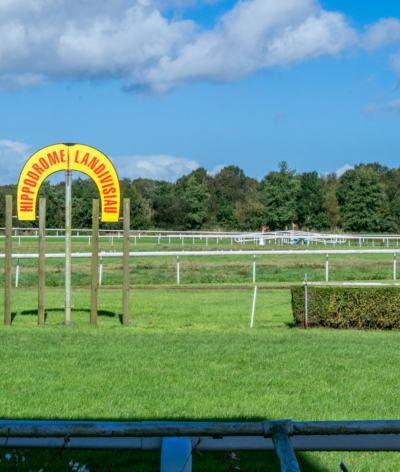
<point x="190" y="355"/>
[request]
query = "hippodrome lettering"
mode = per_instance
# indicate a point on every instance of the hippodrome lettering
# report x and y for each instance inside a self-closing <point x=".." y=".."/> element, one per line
<point x="74" y="157"/>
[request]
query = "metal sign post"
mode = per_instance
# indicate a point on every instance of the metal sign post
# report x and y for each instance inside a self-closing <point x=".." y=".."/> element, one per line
<point x="68" y="215"/>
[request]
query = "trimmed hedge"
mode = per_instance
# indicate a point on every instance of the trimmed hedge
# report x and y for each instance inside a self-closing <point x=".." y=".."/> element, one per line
<point x="348" y="307"/>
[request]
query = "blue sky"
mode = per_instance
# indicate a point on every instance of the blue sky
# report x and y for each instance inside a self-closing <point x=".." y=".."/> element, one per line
<point x="165" y="86"/>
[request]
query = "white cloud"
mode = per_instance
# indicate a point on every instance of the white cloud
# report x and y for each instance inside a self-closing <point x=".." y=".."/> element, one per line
<point x="343" y="169"/>
<point x="13" y="156"/>
<point x="157" y="167"/>
<point x="395" y="64"/>
<point x="385" y="31"/>
<point x="54" y="40"/>
<point x="255" y="34"/>
<point x="132" y="40"/>
<point x="389" y="109"/>
<point x="216" y="170"/>
<point x="19" y="81"/>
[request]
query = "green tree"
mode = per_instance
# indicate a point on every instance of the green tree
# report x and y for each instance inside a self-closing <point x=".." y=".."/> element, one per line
<point x="365" y="197"/>
<point x="196" y="196"/>
<point x="310" y="199"/>
<point x="331" y="206"/>
<point x="228" y="187"/>
<point x="137" y="212"/>
<point x="279" y="197"/>
<point x="171" y="212"/>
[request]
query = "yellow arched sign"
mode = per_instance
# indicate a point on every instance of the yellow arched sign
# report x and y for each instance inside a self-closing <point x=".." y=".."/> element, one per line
<point x="78" y="157"/>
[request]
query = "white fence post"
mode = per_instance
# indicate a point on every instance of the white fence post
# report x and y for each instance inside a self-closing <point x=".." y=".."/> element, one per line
<point x="183" y="239"/>
<point x="305" y="302"/>
<point x="177" y="270"/>
<point x="254" y="305"/>
<point x="206" y="240"/>
<point x="17" y="274"/>
<point x="254" y="269"/>
<point x="327" y="268"/>
<point x="101" y="270"/>
<point x="112" y="240"/>
<point x="387" y="242"/>
<point x="394" y="267"/>
<point x="19" y="241"/>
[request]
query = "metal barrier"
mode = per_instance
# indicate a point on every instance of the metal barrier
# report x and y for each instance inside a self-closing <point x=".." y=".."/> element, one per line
<point x="210" y="253"/>
<point x="284" y="436"/>
<point x="278" y="237"/>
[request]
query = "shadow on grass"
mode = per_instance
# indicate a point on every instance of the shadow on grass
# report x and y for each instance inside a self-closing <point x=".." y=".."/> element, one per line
<point x="289" y="324"/>
<point x="256" y="461"/>
<point x="109" y="314"/>
<point x="149" y="461"/>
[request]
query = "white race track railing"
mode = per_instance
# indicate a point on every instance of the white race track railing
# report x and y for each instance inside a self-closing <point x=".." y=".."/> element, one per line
<point x="326" y="252"/>
<point x="211" y="253"/>
<point x="283" y="436"/>
<point x="280" y="237"/>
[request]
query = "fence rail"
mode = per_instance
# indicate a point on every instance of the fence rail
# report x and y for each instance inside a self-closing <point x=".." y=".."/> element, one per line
<point x="307" y="435"/>
<point x="210" y="253"/>
<point x="114" y="254"/>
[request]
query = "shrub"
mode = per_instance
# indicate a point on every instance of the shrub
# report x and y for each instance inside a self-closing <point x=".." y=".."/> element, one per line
<point x="348" y="307"/>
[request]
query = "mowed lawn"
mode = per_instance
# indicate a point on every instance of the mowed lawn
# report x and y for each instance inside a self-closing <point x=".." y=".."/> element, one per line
<point x="190" y="355"/>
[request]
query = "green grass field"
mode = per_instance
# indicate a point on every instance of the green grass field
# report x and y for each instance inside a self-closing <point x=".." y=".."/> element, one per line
<point x="190" y="355"/>
<point x="235" y="269"/>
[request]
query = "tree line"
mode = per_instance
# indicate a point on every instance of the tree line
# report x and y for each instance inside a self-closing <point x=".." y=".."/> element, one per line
<point x="363" y="199"/>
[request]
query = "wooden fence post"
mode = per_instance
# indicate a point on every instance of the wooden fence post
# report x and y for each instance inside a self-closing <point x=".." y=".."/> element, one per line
<point x="7" y="285"/>
<point x="42" y="227"/>
<point x="95" y="262"/>
<point x="125" y="297"/>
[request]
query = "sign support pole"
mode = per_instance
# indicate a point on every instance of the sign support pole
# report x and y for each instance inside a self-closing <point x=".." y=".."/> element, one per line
<point x="125" y="296"/>
<point x="68" y="211"/>
<point x="42" y="226"/>
<point x="95" y="262"/>
<point x="7" y="285"/>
